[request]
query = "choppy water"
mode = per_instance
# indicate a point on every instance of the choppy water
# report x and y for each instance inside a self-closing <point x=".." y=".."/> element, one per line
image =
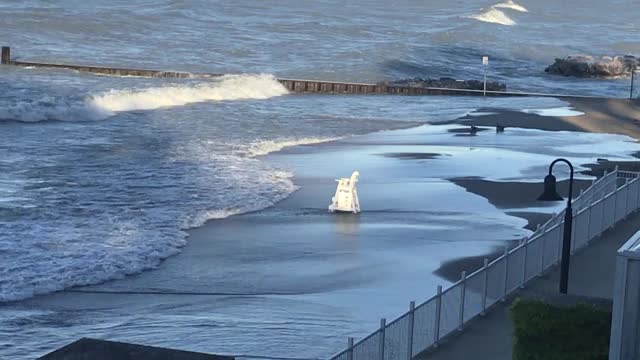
<point x="101" y="176"/>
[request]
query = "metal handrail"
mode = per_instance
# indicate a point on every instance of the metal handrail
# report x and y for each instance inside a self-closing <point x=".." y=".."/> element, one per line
<point x="540" y="236"/>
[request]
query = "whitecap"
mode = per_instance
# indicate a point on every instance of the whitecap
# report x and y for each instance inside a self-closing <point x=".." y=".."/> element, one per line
<point x="264" y="147"/>
<point x="106" y="104"/>
<point x="493" y="16"/>
<point x="228" y="87"/>
<point x="511" y="5"/>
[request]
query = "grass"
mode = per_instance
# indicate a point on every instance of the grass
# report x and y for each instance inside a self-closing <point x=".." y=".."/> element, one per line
<point x="548" y="332"/>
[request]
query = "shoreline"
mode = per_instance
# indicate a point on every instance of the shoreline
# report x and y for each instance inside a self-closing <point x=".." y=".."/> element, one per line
<point x="419" y="209"/>
<point x="621" y="121"/>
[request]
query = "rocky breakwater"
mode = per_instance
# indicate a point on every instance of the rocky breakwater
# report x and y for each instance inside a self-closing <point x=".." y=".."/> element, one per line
<point x="590" y="66"/>
<point x="447" y="83"/>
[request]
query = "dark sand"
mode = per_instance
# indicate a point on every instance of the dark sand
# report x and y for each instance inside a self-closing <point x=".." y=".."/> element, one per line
<point x="512" y="194"/>
<point x="599" y="168"/>
<point x="534" y="218"/>
<point x="412" y="156"/>
<point x="612" y="116"/>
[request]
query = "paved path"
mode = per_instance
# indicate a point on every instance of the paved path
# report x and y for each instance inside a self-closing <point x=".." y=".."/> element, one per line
<point x="591" y="274"/>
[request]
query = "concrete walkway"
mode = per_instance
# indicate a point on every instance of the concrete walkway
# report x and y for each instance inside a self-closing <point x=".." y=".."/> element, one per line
<point x="591" y="274"/>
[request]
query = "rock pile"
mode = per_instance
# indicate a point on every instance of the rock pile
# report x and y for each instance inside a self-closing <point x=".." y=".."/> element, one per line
<point x="590" y="66"/>
<point x="447" y="83"/>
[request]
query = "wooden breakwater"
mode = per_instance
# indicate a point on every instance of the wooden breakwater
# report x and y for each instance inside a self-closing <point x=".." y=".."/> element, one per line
<point x="6" y="60"/>
<point x="293" y="85"/>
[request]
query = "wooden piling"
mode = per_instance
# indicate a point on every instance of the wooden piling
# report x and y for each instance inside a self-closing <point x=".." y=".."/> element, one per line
<point x="6" y="55"/>
<point x="292" y="85"/>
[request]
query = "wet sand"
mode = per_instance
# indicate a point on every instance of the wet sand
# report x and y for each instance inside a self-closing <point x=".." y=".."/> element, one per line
<point x="513" y="194"/>
<point x="610" y="116"/>
<point x="340" y="272"/>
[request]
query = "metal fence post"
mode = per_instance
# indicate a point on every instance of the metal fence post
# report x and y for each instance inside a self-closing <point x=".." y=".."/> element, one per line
<point x="350" y="347"/>
<point x="626" y="198"/>
<point x="485" y="285"/>
<point x="574" y="221"/>
<point x="506" y="273"/>
<point x="635" y="207"/>
<point x="383" y="325"/>
<point x="463" y="283"/>
<point x="601" y="215"/>
<point x="542" y="250"/>
<point x="412" y="308"/>
<point x="615" y="206"/>
<point x="524" y="263"/>
<point x="580" y="204"/>
<point x="589" y="221"/>
<point x="436" y="324"/>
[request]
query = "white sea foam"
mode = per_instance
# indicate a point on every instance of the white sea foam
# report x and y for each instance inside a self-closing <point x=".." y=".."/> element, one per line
<point x="53" y="109"/>
<point x="264" y="147"/>
<point x="511" y="5"/>
<point x="494" y="16"/>
<point x="229" y="87"/>
<point x="103" y="105"/>
<point x="557" y="111"/>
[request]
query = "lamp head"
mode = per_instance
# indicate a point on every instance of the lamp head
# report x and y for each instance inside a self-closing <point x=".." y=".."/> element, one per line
<point x="550" y="193"/>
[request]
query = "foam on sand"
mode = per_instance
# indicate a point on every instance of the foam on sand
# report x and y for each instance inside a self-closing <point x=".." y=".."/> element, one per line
<point x="264" y="147"/>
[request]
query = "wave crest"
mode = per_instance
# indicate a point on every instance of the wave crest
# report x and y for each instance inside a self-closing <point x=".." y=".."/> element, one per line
<point x="264" y="147"/>
<point x="493" y="16"/>
<point x="511" y="5"/>
<point x="104" y="105"/>
<point x="50" y="108"/>
<point x="229" y="87"/>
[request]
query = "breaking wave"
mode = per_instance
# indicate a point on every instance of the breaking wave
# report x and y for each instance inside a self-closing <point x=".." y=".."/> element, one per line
<point x="511" y="5"/>
<point x="229" y="87"/>
<point x="264" y="147"/>
<point x="101" y="106"/>
<point x="51" y="108"/>
<point x="496" y="16"/>
<point x="493" y="16"/>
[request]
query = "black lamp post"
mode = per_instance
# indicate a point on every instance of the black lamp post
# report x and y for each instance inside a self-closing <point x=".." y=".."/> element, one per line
<point x="550" y="194"/>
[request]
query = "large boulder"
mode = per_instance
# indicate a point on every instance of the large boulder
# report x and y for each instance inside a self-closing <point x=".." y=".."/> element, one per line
<point x="448" y="83"/>
<point x="590" y="66"/>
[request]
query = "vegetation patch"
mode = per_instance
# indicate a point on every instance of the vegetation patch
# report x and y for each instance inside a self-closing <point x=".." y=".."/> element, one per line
<point x="548" y="332"/>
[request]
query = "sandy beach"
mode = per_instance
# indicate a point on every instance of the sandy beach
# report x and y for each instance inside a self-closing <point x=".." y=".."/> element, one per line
<point x="435" y="202"/>
<point x="145" y="199"/>
<point x="612" y="116"/>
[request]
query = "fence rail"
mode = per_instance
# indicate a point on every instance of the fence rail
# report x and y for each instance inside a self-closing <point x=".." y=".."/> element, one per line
<point x="607" y="201"/>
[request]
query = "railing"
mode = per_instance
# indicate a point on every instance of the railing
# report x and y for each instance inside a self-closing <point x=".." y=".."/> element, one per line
<point x="626" y="302"/>
<point x="607" y="201"/>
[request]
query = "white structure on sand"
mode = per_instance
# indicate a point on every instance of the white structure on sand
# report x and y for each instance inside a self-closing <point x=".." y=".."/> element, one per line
<point x="346" y="197"/>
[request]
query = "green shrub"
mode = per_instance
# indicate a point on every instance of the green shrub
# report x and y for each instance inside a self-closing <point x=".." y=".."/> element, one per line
<point x="547" y="332"/>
